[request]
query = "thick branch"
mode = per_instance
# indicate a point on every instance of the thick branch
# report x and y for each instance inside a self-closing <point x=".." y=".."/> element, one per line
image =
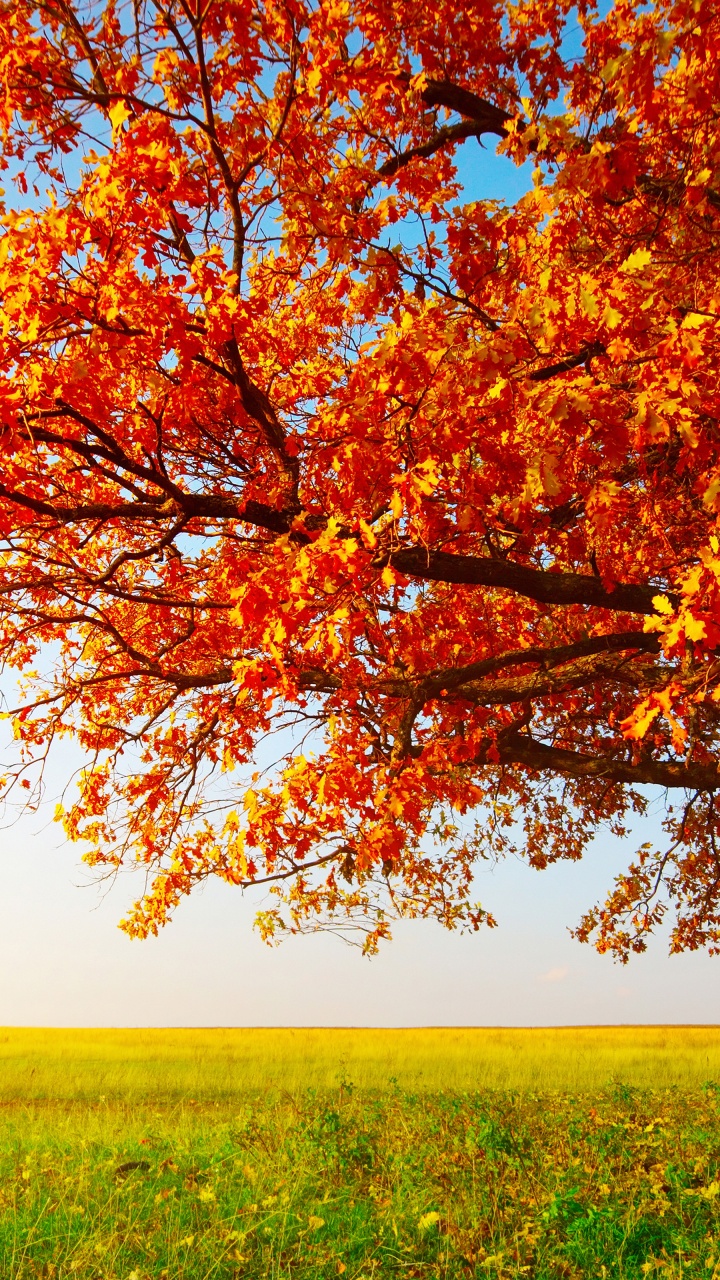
<point x="618" y="641"/>
<point x="481" y="117"/>
<point x="567" y="363"/>
<point x="466" y="680"/>
<point x="259" y="407"/>
<point x="520" y="749"/>
<point x="559" y="680"/>
<point x="191" y="505"/>
<point x="538" y="584"/>
<point x="442" y="93"/>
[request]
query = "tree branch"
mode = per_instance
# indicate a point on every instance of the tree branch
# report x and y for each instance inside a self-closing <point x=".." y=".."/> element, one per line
<point x="442" y="93"/>
<point x="568" y="362"/>
<point x="449" y="133"/>
<point x="191" y="505"/>
<point x="558" y="680"/>
<point x="542" y="585"/>
<point x="521" y="749"/>
<point x="465" y="680"/>
<point x="481" y="117"/>
<point x="453" y="677"/>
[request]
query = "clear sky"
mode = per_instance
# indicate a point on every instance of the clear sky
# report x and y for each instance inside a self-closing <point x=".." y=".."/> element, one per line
<point x="64" y="963"/>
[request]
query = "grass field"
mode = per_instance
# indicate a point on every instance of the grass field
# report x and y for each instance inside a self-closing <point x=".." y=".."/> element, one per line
<point x="190" y="1155"/>
<point x="220" y="1063"/>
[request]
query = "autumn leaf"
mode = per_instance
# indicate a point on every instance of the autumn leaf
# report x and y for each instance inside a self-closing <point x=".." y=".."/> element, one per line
<point x="309" y="455"/>
<point x="427" y="1221"/>
<point x="117" y="116"/>
<point x="636" y="261"/>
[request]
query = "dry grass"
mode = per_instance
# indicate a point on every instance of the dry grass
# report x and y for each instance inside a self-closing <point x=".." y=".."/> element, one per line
<point x="218" y="1063"/>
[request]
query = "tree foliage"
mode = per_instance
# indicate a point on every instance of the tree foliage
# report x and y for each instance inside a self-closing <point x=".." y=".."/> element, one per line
<point x="296" y="434"/>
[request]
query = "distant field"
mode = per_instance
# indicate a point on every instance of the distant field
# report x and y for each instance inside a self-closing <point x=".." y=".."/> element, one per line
<point x="221" y="1063"/>
<point x="591" y="1154"/>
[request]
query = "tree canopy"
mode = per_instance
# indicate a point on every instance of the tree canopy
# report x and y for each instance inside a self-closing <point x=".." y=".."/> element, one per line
<point x="298" y="435"/>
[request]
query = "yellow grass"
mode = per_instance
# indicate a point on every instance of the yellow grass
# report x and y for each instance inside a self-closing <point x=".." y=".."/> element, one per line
<point x="219" y="1063"/>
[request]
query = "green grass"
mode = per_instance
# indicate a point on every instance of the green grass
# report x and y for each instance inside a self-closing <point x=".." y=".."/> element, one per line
<point x="418" y="1172"/>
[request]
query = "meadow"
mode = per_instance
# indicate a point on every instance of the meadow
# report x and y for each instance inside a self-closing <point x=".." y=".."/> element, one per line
<point x="265" y="1155"/>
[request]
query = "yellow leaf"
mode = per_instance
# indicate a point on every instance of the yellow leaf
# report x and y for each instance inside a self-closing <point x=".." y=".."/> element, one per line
<point x="368" y="534"/>
<point x="315" y="1223"/>
<point x="688" y="433"/>
<point x="662" y="604"/>
<point x="497" y="388"/>
<point x="664" y="698"/>
<point x="118" y="115"/>
<point x="312" y="79"/>
<point x="611" y="68"/>
<point x="611" y="317"/>
<point x="550" y="482"/>
<point x="694" y="628"/>
<point x="637" y="260"/>
<point x="637" y="724"/>
<point x="388" y="577"/>
<point x="589" y="304"/>
<point x="427" y="1221"/>
<point x="396" y="505"/>
<point x="240" y="857"/>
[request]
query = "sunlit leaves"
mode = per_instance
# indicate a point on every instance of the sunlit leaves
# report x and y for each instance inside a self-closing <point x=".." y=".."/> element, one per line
<point x="258" y="346"/>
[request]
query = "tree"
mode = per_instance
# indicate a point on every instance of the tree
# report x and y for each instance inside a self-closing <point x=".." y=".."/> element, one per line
<point x="296" y="434"/>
